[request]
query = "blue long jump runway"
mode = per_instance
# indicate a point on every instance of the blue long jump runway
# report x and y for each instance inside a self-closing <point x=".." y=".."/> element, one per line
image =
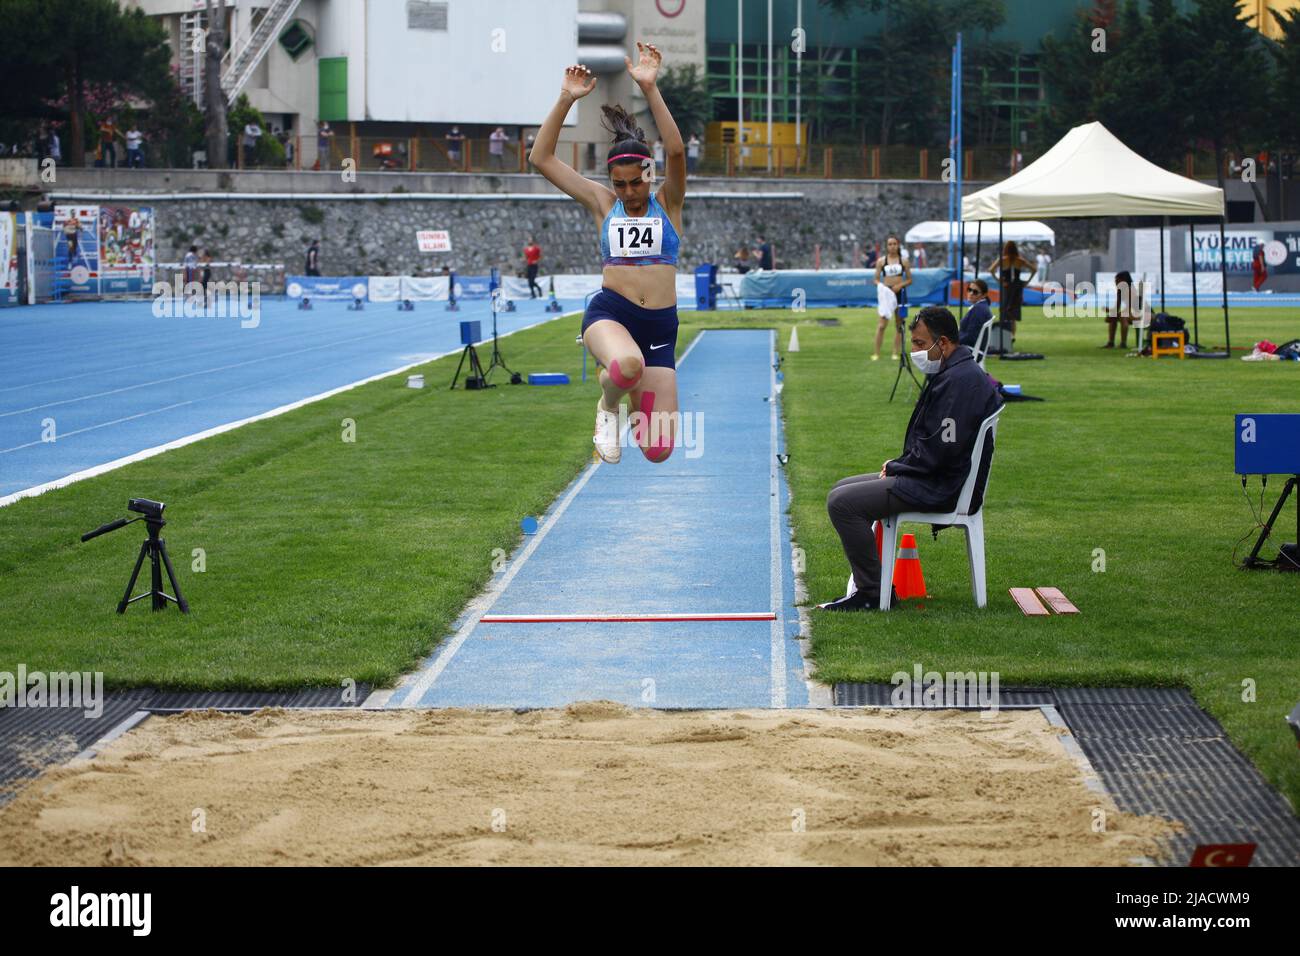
<point x="115" y="380"/>
<point x="704" y="532"/>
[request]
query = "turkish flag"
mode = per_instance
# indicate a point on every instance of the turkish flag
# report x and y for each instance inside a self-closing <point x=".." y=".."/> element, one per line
<point x="1223" y="854"/>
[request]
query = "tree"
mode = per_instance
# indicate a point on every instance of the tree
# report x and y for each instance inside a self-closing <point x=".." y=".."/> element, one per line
<point x="686" y="93"/>
<point x="1073" y="70"/>
<point x="1286" y="85"/>
<point x="62" y="48"/>
<point x="1138" y="101"/>
<point x="1226" y="89"/>
<point x="214" y="97"/>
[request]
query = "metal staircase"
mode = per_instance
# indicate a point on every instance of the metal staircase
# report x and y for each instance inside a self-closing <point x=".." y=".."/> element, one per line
<point x="191" y="62"/>
<point x="238" y="65"/>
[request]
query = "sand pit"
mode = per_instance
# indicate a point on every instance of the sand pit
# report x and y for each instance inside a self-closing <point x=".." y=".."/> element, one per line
<point x="593" y="784"/>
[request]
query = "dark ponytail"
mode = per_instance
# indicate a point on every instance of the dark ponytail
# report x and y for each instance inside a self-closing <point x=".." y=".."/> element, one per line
<point x="628" y="138"/>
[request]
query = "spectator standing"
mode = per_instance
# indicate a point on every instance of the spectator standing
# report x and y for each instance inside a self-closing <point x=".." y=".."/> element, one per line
<point x="1011" y="287"/>
<point x="533" y="256"/>
<point x="1042" y="260"/>
<point x="323" y="136"/>
<point x="107" y="133"/>
<point x="56" y="148"/>
<point x="497" y="147"/>
<point x="190" y="265"/>
<point x="1258" y="268"/>
<point x="135" y="148"/>
<point x="455" y="140"/>
<point x="766" y="261"/>
<point x="692" y="153"/>
<point x="869" y="258"/>
<point x="252" y="133"/>
<point x="313" y="258"/>
<point x="919" y="259"/>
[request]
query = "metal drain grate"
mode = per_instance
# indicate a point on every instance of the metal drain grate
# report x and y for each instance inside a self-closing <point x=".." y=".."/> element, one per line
<point x="1158" y="753"/>
<point x="32" y="739"/>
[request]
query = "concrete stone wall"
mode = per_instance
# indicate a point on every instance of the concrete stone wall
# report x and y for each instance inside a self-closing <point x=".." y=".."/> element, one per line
<point x="369" y="226"/>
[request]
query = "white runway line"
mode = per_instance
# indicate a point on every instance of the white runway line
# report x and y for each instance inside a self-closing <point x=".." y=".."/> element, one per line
<point x="777" y="651"/>
<point x="91" y="428"/>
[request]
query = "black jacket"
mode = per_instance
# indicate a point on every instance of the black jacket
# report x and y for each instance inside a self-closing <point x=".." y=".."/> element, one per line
<point x="973" y="321"/>
<point x="936" y="452"/>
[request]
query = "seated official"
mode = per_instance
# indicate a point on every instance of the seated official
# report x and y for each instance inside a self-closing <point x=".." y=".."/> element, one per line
<point x="977" y="294"/>
<point x="929" y="474"/>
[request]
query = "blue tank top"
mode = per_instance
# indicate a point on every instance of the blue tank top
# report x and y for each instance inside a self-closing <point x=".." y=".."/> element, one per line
<point x="641" y="240"/>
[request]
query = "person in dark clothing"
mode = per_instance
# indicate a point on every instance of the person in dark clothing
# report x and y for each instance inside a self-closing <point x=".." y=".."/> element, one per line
<point x="765" y="259"/>
<point x="1128" y="306"/>
<point x="313" y="258"/>
<point x="929" y="474"/>
<point x="532" y="258"/>
<point x="973" y="320"/>
<point x="1011" y="287"/>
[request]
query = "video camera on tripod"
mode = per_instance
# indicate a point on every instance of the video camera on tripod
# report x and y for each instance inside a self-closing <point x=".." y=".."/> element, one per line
<point x="151" y="512"/>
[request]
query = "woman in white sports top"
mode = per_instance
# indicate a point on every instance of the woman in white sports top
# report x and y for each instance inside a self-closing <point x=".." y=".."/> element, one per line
<point x="895" y="275"/>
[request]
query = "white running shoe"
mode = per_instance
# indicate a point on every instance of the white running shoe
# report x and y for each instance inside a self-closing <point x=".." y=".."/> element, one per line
<point x="606" y="436"/>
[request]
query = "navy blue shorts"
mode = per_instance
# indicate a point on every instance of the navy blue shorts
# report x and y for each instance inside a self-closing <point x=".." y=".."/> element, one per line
<point x="653" y="330"/>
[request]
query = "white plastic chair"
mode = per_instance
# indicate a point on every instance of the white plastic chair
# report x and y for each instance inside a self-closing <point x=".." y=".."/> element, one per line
<point x="981" y="349"/>
<point x="972" y="524"/>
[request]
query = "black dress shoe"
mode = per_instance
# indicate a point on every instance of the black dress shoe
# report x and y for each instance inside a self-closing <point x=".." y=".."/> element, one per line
<point x="856" y="601"/>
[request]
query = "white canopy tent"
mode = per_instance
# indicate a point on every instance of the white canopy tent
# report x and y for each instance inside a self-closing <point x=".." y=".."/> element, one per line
<point x="1089" y="172"/>
<point x="936" y="230"/>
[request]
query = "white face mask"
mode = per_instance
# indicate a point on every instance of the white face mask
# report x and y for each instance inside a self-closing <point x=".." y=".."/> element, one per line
<point x="924" y="364"/>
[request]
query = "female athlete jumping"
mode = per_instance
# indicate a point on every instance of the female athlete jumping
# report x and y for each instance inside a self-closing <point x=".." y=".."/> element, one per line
<point x="631" y="324"/>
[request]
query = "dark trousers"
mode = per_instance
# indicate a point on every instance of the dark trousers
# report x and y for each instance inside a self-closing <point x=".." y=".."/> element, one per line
<point x="532" y="282"/>
<point x="854" y="505"/>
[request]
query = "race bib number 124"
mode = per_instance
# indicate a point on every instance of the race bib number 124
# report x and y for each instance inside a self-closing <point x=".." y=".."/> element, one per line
<point x="631" y="236"/>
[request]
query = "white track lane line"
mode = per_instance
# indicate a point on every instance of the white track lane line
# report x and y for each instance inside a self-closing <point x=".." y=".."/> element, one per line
<point x="230" y="426"/>
<point x="418" y="683"/>
<point x="777" y="627"/>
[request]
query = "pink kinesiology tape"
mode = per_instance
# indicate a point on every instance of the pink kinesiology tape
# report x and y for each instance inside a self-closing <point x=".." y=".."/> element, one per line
<point x="621" y="380"/>
<point x="662" y="445"/>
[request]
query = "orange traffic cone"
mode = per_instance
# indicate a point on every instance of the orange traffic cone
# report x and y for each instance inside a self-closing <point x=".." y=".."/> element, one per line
<point x="908" y="580"/>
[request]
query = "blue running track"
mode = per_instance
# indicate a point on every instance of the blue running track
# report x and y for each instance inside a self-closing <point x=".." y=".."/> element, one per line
<point x="704" y="532"/>
<point x="116" y="380"/>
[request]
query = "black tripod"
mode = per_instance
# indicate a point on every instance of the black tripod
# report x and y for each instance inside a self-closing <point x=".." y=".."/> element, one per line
<point x="155" y="548"/>
<point x="904" y="364"/>
<point x="498" y="361"/>
<point x="476" y="378"/>
<point x="1288" y="558"/>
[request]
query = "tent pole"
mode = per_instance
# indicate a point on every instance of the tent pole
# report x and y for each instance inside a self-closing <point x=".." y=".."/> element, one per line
<point x="1196" y="327"/>
<point x="979" y="228"/>
<point x="1223" y="272"/>
<point x="961" y="271"/>
<point x="1162" y="263"/>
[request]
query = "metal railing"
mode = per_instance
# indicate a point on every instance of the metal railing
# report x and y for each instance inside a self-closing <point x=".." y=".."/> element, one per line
<point x="813" y="161"/>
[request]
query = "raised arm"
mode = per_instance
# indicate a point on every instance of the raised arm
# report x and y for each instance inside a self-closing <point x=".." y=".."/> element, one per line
<point x="673" y="190"/>
<point x="578" y="82"/>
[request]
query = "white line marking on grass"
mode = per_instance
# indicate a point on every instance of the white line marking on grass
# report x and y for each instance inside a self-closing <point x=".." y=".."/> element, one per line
<point x="417" y="684"/>
<point x="777" y="628"/>
<point x="230" y="426"/>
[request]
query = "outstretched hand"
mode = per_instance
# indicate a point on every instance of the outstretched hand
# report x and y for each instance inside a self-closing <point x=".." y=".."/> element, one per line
<point x="578" y="82"/>
<point x="647" y="67"/>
